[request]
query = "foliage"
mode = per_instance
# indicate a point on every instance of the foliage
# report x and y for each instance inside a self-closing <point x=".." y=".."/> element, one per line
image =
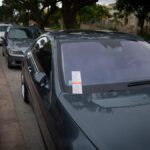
<point x="54" y="20"/>
<point x="140" y="8"/>
<point x="146" y="36"/>
<point x="116" y="20"/>
<point x="1" y="14"/>
<point x="93" y="13"/>
<point x="5" y="14"/>
<point x="36" y="10"/>
<point x="70" y="8"/>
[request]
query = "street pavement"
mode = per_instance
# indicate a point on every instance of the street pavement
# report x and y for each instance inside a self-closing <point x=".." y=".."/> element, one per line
<point x="18" y="126"/>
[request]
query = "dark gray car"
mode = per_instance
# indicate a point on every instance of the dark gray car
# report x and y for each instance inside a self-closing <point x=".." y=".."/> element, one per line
<point x="16" y="41"/>
<point x="90" y="90"/>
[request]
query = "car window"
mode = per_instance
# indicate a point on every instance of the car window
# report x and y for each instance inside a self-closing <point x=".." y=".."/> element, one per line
<point x="23" y="33"/>
<point x="35" y="32"/>
<point x="17" y="34"/>
<point x="42" y="53"/>
<point x="107" y="61"/>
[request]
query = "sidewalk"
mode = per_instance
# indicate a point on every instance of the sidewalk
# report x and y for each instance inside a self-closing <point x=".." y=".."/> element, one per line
<point x="10" y="133"/>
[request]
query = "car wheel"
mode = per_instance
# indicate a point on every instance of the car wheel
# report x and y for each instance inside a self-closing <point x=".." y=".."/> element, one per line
<point x="24" y="91"/>
<point x="3" y="53"/>
<point x="9" y="63"/>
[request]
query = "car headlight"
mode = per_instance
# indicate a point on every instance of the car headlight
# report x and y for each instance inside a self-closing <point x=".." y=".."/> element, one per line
<point x="15" y="52"/>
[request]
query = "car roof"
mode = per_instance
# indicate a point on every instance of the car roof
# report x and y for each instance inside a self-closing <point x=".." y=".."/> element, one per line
<point x="4" y="24"/>
<point x="91" y="34"/>
<point x="23" y="27"/>
<point x="17" y="26"/>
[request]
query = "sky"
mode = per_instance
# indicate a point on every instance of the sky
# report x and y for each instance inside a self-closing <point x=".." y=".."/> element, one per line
<point x="105" y="2"/>
<point x="100" y="1"/>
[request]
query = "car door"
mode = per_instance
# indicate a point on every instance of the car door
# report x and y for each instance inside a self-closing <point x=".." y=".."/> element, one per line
<point x="39" y="64"/>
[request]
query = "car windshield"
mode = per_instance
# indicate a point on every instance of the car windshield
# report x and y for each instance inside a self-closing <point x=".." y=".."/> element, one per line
<point x="3" y="28"/>
<point x="23" y="33"/>
<point x="105" y="61"/>
<point x="35" y="32"/>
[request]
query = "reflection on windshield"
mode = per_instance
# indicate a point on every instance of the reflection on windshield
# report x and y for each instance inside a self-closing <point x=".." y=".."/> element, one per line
<point x="24" y="33"/>
<point x="105" y="101"/>
<point x="106" y="61"/>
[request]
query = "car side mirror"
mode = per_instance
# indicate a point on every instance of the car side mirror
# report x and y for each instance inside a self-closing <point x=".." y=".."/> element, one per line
<point x="41" y="79"/>
<point x="6" y="35"/>
<point x="2" y="37"/>
<point x="3" y="40"/>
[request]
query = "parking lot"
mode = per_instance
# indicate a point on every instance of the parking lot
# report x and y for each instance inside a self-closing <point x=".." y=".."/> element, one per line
<point x="18" y="126"/>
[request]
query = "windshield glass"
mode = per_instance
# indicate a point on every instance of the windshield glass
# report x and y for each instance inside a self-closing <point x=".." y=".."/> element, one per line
<point x="106" y="61"/>
<point x="35" y="32"/>
<point x="23" y="33"/>
<point x="3" y="28"/>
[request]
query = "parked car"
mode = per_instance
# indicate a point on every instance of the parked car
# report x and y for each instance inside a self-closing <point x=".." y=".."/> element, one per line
<point x="16" y="41"/>
<point x="89" y="90"/>
<point x="3" y="28"/>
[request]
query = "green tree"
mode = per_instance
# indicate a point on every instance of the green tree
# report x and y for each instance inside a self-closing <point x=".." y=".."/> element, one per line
<point x="1" y="14"/>
<point x="6" y="14"/>
<point x="140" y="8"/>
<point x="54" y="21"/>
<point x="116" y="20"/>
<point x="93" y="13"/>
<point x="37" y="8"/>
<point x="33" y="9"/>
<point x="70" y="9"/>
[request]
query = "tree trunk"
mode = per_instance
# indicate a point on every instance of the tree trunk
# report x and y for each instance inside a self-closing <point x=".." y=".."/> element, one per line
<point x="41" y="17"/>
<point x="141" y="23"/>
<point x="41" y="26"/>
<point x="69" y="20"/>
<point x="69" y="11"/>
<point x="141" y="20"/>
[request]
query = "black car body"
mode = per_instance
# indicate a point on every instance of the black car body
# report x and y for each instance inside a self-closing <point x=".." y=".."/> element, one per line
<point x="16" y="41"/>
<point x="90" y="90"/>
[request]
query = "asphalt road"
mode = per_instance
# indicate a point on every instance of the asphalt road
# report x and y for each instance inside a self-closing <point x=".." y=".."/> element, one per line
<point x="18" y="127"/>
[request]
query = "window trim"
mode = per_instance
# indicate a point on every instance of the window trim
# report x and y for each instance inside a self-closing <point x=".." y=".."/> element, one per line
<point x="35" y="60"/>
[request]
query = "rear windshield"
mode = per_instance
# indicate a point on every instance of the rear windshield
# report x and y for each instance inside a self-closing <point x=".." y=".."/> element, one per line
<point x="106" y="61"/>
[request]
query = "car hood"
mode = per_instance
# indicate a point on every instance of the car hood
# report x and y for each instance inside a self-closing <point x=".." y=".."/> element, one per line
<point x="109" y="125"/>
<point x="2" y="34"/>
<point x="20" y="44"/>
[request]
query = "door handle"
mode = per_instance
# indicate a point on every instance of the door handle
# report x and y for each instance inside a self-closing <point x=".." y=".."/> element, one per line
<point x="29" y="69"/>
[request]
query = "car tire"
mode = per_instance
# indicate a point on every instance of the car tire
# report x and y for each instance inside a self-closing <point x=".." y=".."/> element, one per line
<point x="3" y="53"/>
<point x="24" y="91"/>
<point x="9" y="63"/>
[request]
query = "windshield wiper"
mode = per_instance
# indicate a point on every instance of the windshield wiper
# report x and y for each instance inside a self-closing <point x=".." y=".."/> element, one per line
<point x="139" y="83"/>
